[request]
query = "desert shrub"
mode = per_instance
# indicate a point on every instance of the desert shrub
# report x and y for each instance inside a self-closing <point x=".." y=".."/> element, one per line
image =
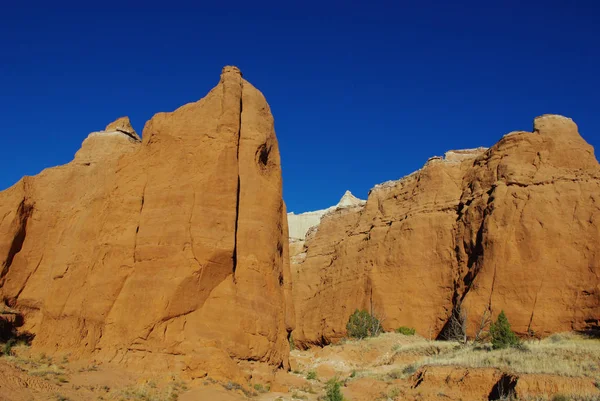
<point x="362" y="324"/>
<point x="311" y="375"/>
<point x="407" y="331"/>
<point x="291" y="341"/>
<point x="7" y="348"/>
<point x="560" y="397"/>
<point x="501" y="333"/>
<point x="409" y="370"/>
<point x="393" y="393"/>
<point x="332" y="390"/>
<point x="232" y="386"/>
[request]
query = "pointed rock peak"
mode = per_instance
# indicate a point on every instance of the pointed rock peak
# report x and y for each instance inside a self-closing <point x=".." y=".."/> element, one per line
<point x="230" y="71"/>
<point x="350" y="200"/>
<point x="123" y="125"/>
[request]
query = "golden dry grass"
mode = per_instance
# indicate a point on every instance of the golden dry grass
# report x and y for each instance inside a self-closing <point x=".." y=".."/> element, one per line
<point x="150" y="391"/>
<point x="39" y="365"/>
<point x="567" y="355"/>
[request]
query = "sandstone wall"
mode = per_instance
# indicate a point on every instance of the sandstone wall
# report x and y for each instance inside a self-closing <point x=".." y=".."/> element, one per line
<point x="169" y="251"/>
<point x="515" y="227"/>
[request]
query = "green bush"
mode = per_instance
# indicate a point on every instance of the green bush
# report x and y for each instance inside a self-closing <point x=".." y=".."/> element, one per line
<point x="501" y="333"/>
<point x="362" y="324"/>
<point x="332" y="390"/>
<point x="407" y="331"/>
<point x="291" y="341"/>
<point x="311" y="375"/>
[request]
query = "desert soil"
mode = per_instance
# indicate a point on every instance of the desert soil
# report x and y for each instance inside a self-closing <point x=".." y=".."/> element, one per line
<point x="389" y="367"/>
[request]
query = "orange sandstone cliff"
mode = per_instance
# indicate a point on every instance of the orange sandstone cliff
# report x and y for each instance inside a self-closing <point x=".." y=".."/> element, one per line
<point x="166" y="252"/>
<point x="515" y="227"/>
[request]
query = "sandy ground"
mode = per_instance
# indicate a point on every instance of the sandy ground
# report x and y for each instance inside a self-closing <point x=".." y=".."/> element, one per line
<point x="389" y="367"/>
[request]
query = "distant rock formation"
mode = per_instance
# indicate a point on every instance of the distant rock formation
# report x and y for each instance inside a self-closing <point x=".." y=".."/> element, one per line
<point x="515" y="227"/>
<point x="167" y="252"/>
<point x="299" y="224"/>
<point x="304" y="225"/>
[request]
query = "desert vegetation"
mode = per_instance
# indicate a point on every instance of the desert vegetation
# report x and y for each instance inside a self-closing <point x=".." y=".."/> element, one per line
<point x="407" y="331"/>
<point x="332" y="390"/>
<point x="501" y="334"/>
<point x="362" y="324"/>
<point x="56" y="377"/>
<point x="371" y="365"/>
<point x="403" y="365"/>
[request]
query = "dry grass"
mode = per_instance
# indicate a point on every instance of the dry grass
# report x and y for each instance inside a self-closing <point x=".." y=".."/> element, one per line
<point x="41" y="366"/>
<point x="44" y="367"/>
<point x="425" y="348"/>
<point x="149" y="391"/>
<point x="564" y="355"/>
<point x="561" y="397"/>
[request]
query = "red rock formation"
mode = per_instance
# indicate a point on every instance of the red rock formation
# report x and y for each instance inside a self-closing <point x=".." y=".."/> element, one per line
<point x="515" y="227"/>
<point x="166" y="252"/>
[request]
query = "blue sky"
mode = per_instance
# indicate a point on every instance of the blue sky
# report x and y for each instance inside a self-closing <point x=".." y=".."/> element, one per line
<point x="361" y="93"/>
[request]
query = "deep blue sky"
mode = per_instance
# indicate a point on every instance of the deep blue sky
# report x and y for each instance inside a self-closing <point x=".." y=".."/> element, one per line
<point x="361" y="94"/>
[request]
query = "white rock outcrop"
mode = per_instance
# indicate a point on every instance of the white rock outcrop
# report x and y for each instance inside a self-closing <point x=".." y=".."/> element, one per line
<point x="299" y="224"/>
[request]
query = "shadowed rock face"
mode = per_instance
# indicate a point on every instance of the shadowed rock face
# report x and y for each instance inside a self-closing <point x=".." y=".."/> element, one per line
<point x="167" y="252"/>
<point x="515" y="227"/>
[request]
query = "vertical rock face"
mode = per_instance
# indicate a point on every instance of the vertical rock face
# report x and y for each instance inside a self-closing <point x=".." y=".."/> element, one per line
<point x="169" y="251"/>
<point x="515" y="227"/>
